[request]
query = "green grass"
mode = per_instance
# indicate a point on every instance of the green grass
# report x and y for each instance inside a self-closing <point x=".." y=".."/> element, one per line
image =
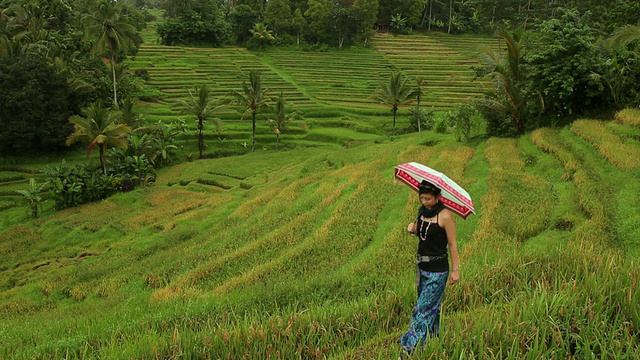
<point x="312" y="259"/>
<point x="303" y="253"/>
<point x="339" y="82"/>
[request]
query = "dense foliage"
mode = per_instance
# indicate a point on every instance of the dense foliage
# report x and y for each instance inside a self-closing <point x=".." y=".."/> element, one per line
<point x="202" y="22"/>
<point x="559" y="71"/>
<point x="35" y="105"/>
<point x="48" y="71"/>
<point x="339" y="22"/>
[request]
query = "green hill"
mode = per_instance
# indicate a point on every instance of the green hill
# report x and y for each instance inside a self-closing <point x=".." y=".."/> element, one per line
<point x="333" y="89"/>
<point x="303" y="254"/>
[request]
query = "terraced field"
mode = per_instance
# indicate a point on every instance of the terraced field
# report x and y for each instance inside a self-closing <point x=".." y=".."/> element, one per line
<point x="445" y="68"/>
<point x="305" y="254"/>
<point x="346" y="79"/>
<point x="334" y="89"/>
<point x="176" y="70"/>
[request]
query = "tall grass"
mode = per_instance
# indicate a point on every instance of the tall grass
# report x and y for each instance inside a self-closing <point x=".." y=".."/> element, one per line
<point x="628" y="117"/>
<point x="610" y="145"/>
<point x="313" y="261"/>
<point x="304" y="254"/>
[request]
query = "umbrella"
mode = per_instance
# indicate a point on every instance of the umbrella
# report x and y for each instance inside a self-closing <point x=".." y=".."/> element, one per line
<point x="452" y="195"/>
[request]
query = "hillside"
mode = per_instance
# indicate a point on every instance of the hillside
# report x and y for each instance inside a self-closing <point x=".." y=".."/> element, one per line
<point x="303" y="254"/>
<point x="333" y="90"/>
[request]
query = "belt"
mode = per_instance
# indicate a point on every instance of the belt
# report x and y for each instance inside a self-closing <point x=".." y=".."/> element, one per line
<point x="429" y="258"/>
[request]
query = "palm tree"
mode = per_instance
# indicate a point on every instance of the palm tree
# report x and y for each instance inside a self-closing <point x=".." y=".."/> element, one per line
<point x="99" y="128"/>
<point x="395" y="93"/>
<point x="253" y="98"/>
<point x="202" y="106"/>
<point x="21" y="31"/>
<point x="616" y="73"/>
<point x="419" y="83"/>
<point x="282" y="119"/>
<point x="112" y="34"/>
<point x="510" y="96"/>
<point x="625" y="35"/>
<point x="262" y="34"/>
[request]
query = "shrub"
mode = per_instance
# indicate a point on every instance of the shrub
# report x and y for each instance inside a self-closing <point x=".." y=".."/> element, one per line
<point x="422" y="117"/>
<point x="32" y="197"/>
<point x="465" y="119"/>
<point x="443" y="121"/>
<point x="131" y="169"/>
<point x="72" y="186"/>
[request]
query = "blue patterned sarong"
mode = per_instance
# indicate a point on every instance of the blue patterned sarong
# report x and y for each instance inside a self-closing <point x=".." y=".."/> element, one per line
<point x="426" y="315"/>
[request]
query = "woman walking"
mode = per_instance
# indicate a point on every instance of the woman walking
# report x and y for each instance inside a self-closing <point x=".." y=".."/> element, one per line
<point x="436" y="231"/>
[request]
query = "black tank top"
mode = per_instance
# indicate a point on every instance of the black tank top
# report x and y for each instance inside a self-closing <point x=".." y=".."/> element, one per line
<point x="432" y="242"/>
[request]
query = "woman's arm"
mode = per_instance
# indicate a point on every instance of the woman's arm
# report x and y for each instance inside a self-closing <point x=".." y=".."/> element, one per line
<point x="449" y="226"/>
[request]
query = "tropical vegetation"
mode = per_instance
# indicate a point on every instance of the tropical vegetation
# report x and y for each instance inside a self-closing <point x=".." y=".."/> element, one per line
<point x="177" y="241"/>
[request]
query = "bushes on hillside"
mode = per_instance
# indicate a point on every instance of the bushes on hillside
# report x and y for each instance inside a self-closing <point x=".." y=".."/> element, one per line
<point x="202" y="23"/>
<point x="149" y="148"/>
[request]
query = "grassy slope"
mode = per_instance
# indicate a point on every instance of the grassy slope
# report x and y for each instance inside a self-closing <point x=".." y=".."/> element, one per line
<point x="332" y="89"/>
<point x="305" y="255"/>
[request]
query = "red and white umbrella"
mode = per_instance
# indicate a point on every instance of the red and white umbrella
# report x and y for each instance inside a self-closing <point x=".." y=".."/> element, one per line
<point x="452" y="195"/>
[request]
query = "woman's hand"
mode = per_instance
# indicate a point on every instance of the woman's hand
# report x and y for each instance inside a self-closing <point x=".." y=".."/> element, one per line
<point x="412" y="228"/>
<point x="454" y="276"/>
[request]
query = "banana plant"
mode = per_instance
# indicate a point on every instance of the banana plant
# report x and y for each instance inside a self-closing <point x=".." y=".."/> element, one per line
<point x="32" y="197"/>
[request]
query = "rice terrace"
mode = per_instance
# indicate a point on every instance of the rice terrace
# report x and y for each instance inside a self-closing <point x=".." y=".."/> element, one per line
<point x="300" y="250"/>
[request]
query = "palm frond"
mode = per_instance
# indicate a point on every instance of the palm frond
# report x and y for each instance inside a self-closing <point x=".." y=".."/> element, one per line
<point x="625" y="35"/>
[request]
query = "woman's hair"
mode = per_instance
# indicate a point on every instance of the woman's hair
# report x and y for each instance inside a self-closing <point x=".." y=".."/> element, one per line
<point x="428" y="188"/>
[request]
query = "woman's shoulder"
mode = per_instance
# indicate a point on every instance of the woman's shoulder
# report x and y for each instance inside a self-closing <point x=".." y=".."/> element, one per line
<point x="446" y="214"/>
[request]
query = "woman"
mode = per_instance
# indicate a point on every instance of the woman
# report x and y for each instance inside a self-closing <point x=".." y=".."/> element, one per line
<point x="436" y="231"/>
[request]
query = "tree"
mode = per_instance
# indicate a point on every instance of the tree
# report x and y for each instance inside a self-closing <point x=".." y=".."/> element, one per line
<point x="411" y="9"/>
<point x="507" y="103"/>
<point x="243" y="19"/>
<point x="35" y="105"/>
<point x="129" y="116"/>
<point x="298" y="24"/>
<point x="399" y="24"/>
<point x="279" y="123"/>
<point x="32" y="197"/>
<point x="202" y="106"/>
<point x="202" y="21"/>
<point x="621" y="69"/>
<point x="395" y="93"/>
<point x="625" y="35"/>
<point x="417" y="111"/>
<point x="366" y="13"/>
<point x="342" y="22"/>
<point x="253" y="98"/>
<point x="100" y="128"/>
<point x="318" y="18"/>
<point x="561" y="63"/>
<point x="277" y="15"/>
<point x="450" y="16"/>
<point x="112" y="34"/>
<point x="262" y="34"/>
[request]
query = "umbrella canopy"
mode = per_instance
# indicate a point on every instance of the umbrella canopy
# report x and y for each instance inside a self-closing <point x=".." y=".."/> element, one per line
<point x="452" y="195"/>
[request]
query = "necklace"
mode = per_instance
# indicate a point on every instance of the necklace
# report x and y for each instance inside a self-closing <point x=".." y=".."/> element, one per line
<point x="426" y="230"/>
